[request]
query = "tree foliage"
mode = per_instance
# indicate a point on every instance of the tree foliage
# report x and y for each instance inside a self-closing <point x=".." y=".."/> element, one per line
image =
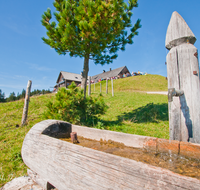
<point x="13" y="97"/>
<point x="71" y="106"/>
<point x="93" y="29"/>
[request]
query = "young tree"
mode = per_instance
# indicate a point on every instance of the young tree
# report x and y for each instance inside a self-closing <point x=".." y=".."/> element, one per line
<point x="2" y="96"/>
<point x="12" y="97"/>
<point x="90" y="29"/>
<point x="23" y="93"/>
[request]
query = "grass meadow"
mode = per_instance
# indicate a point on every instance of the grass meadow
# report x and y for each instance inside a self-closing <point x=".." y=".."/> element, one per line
<point x="131" y="110"/>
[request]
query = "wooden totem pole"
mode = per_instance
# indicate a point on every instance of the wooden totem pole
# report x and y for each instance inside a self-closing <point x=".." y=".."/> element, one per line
<point x="183" y="81"/>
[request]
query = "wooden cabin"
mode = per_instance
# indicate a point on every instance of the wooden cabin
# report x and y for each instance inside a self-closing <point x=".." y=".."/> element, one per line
<point x="119" y="73"/>
<point x="66" y="78"/>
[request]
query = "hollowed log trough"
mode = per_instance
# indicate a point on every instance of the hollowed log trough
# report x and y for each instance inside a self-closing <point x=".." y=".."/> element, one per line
<point x="69" y="166"/>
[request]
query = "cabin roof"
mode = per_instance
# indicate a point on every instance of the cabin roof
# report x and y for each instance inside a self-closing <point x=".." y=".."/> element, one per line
<point x="108" y="74"/>
<point x="70" y="76"/>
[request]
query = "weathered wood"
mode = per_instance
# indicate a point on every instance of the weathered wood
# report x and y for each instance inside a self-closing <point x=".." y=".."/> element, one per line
<point x="174" y="106"/>
<point x="26" y="103"/>
<point x="89" y="86"/>
<point x="106" y="86"/>
<point x="69" y="166"/>
<point x="182" y="61"/>
<point x="36" y="178"/>
<point x="178" y="32"/>
<point x="190" y="102"/>
<point x="112" y="87"/>
<point x="100" y="87"/>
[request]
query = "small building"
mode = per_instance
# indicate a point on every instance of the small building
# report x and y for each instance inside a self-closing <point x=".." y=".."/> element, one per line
<point x="117" y="73"/>
<point x="66" y="78"/>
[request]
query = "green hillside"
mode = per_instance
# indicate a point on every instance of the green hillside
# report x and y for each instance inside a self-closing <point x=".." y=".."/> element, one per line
<point x="131" y="110"/>
<point x="136" y="83"/>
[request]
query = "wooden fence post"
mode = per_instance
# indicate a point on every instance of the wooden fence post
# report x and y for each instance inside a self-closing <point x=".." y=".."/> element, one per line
<point x="106" y="86"/>
<point x="89" y="86"/>
<point x="100" y="87"/>
<point x="26" y="102"/>
<point x="112" y="87"/>
<point x="183" y="81"/>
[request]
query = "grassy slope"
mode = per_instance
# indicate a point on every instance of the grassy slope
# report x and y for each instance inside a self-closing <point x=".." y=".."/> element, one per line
<point x="137" y="83"/>
<point x="129" y="111"/>
<point x="137" y="113"/>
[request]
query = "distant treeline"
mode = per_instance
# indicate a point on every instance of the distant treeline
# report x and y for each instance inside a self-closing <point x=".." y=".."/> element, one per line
<point x="13" y="97"/>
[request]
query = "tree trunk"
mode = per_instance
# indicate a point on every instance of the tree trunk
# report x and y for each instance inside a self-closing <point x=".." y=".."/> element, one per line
<point x="85" y="74"/>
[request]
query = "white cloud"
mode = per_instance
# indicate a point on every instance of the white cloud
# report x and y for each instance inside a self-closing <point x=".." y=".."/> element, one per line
<point x="16" y="28"/>
<point x="39" y="68"/>
<point x="8" y="76"/>
<point x="12" y="86"/>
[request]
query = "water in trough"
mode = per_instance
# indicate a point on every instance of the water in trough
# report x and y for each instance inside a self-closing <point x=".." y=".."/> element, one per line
<point x="179" y="164"/>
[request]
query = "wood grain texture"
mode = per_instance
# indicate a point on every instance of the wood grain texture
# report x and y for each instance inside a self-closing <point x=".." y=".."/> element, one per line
<point x="178" y="32"/>
<point x="69" y="166"/>
<point x="183" y="74"/>
<point x="190" y="104"/>
<point x="174" y="106"/>
<point x="184" y="111"/>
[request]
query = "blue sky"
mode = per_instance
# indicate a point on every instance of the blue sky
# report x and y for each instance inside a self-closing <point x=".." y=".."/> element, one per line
<point x="24" y="56"/>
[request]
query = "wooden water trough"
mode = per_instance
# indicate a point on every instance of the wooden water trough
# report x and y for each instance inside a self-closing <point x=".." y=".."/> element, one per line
<point x="69" y="166"/>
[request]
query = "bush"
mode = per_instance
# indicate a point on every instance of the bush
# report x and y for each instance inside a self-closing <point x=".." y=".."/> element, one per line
<point x="71" y="106"/>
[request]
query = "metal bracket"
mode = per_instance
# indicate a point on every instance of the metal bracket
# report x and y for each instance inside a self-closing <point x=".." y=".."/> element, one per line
<point x="173" y="92"/>
<point x="195" y="73"/>
<point x="196" y="55"/>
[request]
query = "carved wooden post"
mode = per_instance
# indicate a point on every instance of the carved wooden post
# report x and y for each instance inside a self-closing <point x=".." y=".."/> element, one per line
<point x="112" y="87"/>
<point x="89" y="86"/>
<point x="26" y="102"/>
<point x="106" y="86"/>
<point x="183" y="81"/>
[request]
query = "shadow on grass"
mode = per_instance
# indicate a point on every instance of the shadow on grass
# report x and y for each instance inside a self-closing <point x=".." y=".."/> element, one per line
<point x="152" y="113"/>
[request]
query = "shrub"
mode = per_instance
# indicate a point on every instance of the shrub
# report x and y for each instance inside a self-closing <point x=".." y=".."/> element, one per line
<point x="71" y="106"/>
